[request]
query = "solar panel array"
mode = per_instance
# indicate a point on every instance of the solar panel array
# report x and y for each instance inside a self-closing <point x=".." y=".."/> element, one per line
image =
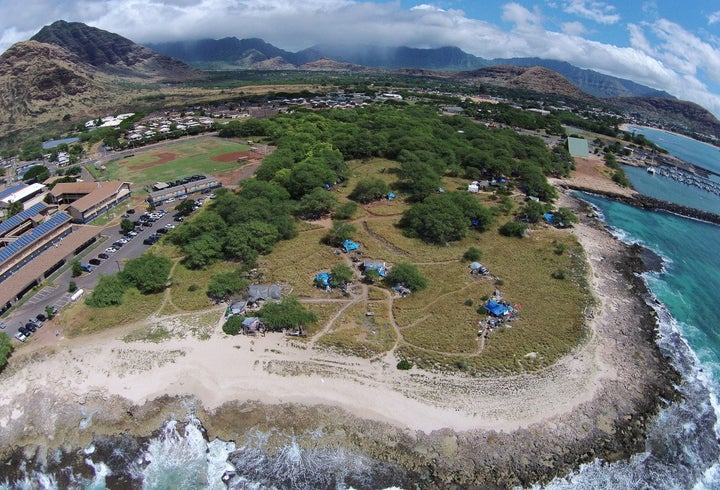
<point x="15" y="220"/>
<point x="25" y="240"/>
<point x="11" y="190"/>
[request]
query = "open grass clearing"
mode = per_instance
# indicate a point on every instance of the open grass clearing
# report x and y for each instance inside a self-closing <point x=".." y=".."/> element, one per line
<point x="324" y="312"/>
<point x="188" y="289"/>
<point x="297" y="261"/>
<point x="356" y="333"/>
<point x="80" y="319"/>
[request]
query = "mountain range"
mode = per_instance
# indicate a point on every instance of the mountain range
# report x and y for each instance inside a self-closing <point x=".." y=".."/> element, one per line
<point x="69" y="69"/>
<point x="234" y="53"/>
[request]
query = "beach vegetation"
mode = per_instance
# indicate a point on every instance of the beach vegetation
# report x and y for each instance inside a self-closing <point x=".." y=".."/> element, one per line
<point x="233" y="325"/>
<point x="404" y="365"/>
<point x="345" y="210"/>
<point x="6" y="349"/>
<point x="340" y="275"/>
<point x="225" y="284"/>
<point x="338" y="233"/>
<point x="148" y="273"/>
<point x="370" y="189"/>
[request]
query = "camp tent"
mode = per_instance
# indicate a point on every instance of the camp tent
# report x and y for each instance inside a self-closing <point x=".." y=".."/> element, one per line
<point x="349" y="245"/>
<point x="322" y="279"/>
<point x="475" y="266"/>
<point x="390" y="196"/>
<point x="497" y="309"/>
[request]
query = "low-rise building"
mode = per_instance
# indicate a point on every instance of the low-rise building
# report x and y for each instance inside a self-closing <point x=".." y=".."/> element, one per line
<point x="87" y="200"/>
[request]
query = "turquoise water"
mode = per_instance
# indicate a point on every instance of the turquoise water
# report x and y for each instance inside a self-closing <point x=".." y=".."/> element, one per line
<point x="682" y="447"/>
<point x="671" y="190"/>
<point x="688" y="149"/>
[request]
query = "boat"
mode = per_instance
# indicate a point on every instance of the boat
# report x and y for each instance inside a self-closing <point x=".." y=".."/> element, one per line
<point x="651" y="170"/>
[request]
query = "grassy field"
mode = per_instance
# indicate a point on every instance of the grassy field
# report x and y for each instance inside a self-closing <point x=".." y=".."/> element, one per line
<point x="175" y="160"/>
<point x="80" y="319"/>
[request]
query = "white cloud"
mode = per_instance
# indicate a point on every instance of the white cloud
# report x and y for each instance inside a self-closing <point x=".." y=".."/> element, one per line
<point x="599" y="12"/>
<point x="573" y="28"/>
<point x="714" y="18"/>
<point x="660" y="54"/>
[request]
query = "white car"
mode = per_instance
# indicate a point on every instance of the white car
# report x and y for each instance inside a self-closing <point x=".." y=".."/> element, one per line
<point x="111" y="250"/>
<point x="172" y="199"/>
<point x="170" y="226"/>
<point x="20" y="337"/>
<point x="123" y="240"/>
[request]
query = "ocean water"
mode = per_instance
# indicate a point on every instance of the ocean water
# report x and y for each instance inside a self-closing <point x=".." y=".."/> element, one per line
<point x="682" y="450"/>
<point x="688" y="149"/>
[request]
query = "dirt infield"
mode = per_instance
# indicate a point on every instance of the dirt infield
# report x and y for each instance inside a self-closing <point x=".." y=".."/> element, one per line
<point x="235" y="156"/>
<point x="162" y="158"/>
<point x="231" y="179"/>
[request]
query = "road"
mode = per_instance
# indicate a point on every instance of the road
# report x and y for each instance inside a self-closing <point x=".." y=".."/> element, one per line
<point x="58" y="294"/>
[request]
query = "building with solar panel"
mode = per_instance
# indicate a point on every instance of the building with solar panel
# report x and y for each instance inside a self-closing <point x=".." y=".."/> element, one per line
<point x="35" y="243"/>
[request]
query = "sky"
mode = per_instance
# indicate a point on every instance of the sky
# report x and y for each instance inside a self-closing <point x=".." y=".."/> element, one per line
<point x="670" y="45"/>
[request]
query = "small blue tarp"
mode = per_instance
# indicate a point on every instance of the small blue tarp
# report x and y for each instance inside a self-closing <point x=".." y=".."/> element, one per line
<point x="497" y="309"/>
<point x="323" y="279"/>
<point x="548" y="217"/>
<point x="349" y="245"/>
<point x="391" y="196"/>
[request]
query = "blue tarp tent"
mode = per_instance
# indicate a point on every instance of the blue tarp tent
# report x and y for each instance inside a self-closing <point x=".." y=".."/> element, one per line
<point x="349" y="245"/>
<point x="323" y="279"/>
<point x="548" y="217"/>
<point x="391" y="196"/>
<point x="497" y="309"/>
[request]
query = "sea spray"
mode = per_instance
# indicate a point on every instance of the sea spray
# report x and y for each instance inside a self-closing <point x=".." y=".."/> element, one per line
<point x="272" y="459"/>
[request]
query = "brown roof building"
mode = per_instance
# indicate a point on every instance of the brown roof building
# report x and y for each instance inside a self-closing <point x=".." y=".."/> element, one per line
<point x="87" y="200"/>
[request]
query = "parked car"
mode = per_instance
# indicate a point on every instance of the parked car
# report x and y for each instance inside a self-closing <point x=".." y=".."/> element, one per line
<point x="25" y="331"/>
<point x="95" y="262"/>
<point x="130" y="211"/>
<point x="103" y="256"/>
<point x="111" y="250"/>
<point x="41" y="317"/>
<point x="20" y="337"/>
<point x="86" y="267"/>
<point x="179" y="219"/>
<point x="3" y="325"/>
<point x="170" y="226"/>
<point x="117" y="245"/>
<point x="163" y="230"/>
<point x="30" y="326"/>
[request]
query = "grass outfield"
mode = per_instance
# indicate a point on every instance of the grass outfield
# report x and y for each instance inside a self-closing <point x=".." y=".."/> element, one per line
<point x="174" y="161"/>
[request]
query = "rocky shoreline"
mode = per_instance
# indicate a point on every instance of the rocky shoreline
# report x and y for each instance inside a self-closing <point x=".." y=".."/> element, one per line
<point x="612" y="426"/>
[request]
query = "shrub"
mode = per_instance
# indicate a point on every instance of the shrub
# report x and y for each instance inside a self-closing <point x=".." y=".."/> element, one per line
<point x="472" y="254"/>
<point x="513" y="229"/>
<point x="462" y="363"/>
<point x="345" y="210"/>
<point x="468" y="302"/>
<point x="404" y="365"/>
<point x="369" y="189"/>
<point x="558" y="274"/>
<point x="233" y="325"/>
<point x="72" y="287"/>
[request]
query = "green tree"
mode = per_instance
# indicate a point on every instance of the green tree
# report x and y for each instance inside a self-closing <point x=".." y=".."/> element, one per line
<point x="369" y="189"/>
<point x="341" y="274"/>
<point x="109" y="291"/>
<point x="316" y="203"/>
<point x="72" y="287"/>
<point x="15" y="208"/>
<point x="202" y="251"/>
<point x="513" y="229"/>
<point x="37" y="173"/>
<point x="185" y="208"/>
<point x="148" y="273"/>
<point x="6" y="349"/>
<point x="408" y="275"/>
<point x="338" y="233"/>
<point x="371" y="276"/>
<point x="289" y="313"/>
<point x="225" y="284"/>
<point x="76" y="268"/>
<point x="534" y="211"/>
<point x="233" y="325"/>
<point x="126" y="225"/>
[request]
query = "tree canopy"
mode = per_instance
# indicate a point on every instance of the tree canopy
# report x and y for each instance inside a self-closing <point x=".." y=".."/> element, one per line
<point x="446" y="217"/>
<point x="369" y="189"/>
<point x="148" y="273"/>
<point x="408" y="275"/>
<point x="289" y="313"/>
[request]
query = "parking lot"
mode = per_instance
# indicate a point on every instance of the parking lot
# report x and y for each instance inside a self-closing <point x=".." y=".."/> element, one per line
<point x="58" y="295"/>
